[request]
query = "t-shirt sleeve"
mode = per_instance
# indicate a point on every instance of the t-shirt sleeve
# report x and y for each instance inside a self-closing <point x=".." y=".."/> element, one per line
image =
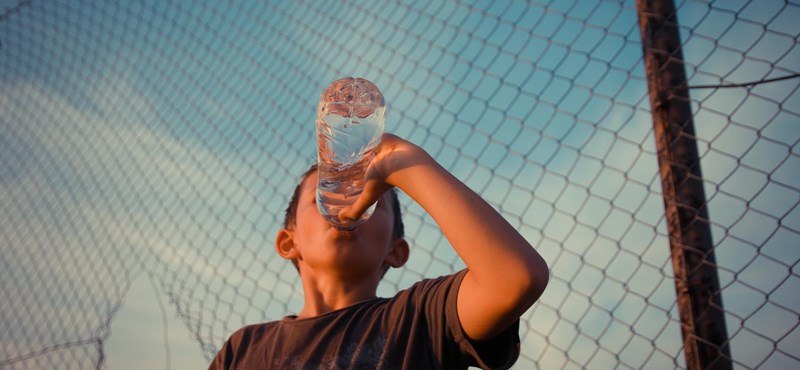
<point x="447" y="335"/>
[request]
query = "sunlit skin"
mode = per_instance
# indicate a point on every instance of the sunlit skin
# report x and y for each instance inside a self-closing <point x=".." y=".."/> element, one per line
<point x="506" y="275"/>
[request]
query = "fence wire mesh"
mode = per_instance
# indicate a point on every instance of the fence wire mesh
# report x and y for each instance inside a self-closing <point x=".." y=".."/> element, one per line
<point x="164" y="138"/>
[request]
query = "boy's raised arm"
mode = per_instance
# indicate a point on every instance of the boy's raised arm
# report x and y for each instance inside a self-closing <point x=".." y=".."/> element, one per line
<point x="506" y="275"/>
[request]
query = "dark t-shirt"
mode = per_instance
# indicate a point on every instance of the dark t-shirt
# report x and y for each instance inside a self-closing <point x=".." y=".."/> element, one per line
<point x="416" y="329"/>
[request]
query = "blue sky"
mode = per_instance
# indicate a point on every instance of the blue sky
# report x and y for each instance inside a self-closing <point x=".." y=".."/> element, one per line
<point x="148" y="151"/>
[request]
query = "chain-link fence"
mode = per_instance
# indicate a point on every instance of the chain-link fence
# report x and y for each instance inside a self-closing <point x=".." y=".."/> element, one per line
<point x="164" y="138"/>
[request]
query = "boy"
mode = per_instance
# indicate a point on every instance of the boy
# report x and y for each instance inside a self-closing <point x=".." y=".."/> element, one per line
<point x="470" y="318"/>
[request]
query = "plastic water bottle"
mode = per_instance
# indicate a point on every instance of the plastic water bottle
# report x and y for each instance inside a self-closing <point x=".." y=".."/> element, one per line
<point x="350" y="117"/>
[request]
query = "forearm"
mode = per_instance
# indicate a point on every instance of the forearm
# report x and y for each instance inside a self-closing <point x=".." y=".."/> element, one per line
<point x="497" y="256"/>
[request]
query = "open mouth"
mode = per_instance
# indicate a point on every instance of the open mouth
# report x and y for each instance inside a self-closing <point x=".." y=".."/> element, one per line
<point x="343" y="232"/>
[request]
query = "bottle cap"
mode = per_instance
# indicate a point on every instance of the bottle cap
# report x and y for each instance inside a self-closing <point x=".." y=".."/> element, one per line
<point x="352" y="97"/>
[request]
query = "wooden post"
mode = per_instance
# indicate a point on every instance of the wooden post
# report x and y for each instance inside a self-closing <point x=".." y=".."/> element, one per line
<point x="705" y="337"/>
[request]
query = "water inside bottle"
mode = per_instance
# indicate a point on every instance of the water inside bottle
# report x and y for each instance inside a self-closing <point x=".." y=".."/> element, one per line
<point x="338" y="189"/>
<point x="344" y="141"/>
<point x="350" y="119"/>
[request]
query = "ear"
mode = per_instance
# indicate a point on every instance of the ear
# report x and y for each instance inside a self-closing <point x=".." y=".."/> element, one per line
<point x="284" y="244"/>
<point x="398" y="255"/>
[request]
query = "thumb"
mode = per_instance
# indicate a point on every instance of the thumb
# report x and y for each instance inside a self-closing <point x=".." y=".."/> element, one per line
<point x="373" y="190"/>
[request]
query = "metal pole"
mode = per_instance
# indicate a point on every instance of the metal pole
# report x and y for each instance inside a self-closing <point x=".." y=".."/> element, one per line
<point x="705" y="337"/>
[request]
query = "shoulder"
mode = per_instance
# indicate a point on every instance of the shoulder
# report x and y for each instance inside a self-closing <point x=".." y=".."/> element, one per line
<point x="249" y="330"/>
<point x="439" y="286"/>
<point x="236" y="349"/>
<point x="437" y="300"/>
<point x="246" y="335"/>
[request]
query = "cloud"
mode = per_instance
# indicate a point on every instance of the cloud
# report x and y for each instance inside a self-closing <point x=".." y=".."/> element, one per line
<point x="98" y="194"/>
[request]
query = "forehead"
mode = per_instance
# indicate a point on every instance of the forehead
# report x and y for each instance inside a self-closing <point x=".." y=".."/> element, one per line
<point x="309" y="185"/>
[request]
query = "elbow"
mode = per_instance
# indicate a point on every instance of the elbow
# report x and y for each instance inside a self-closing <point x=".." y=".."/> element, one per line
<point x="543" y="277"/>
<point x="534" y="283"/>
<point x="513" y="284"/>
<point x="519" y="286"/>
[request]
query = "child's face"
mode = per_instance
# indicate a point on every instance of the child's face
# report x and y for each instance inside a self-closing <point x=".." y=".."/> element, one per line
<point x="322" y="246"/>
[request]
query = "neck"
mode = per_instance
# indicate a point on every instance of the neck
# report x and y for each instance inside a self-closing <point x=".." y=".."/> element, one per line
<point x="324" y="294"/>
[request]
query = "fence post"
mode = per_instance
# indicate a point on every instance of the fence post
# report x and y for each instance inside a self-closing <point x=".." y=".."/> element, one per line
<point x="705" y="337"/>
